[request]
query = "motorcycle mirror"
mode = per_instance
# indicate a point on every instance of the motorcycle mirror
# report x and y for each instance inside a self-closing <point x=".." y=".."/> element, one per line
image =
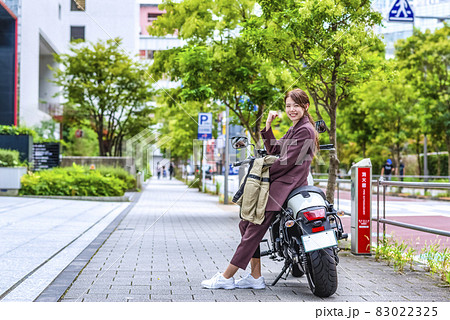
<point x="321" y="126"/>
<point x="239" y="142"/>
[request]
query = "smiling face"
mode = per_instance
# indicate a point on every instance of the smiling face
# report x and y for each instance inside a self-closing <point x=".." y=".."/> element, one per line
<point x="294" y="111"/>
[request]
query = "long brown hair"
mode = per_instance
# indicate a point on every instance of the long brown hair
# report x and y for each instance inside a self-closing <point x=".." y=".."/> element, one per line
<point x="301" y="98"/>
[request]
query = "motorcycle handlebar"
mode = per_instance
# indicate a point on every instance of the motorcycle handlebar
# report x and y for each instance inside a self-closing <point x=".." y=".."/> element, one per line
<point x="326" y="147"/>
<point x="240" y="163"/>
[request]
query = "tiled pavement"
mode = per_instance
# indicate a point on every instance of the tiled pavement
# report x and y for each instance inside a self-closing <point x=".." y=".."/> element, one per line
<point x="174" y="237"/>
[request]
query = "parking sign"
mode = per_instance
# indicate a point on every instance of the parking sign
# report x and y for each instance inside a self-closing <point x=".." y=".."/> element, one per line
<point x="204" y="126"/>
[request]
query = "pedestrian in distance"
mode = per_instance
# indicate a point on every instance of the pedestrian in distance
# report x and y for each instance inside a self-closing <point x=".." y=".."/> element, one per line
<point x="164" y="173"/>
<point x="401" y="169"/>
<point x="387" y="170"/>
<point x="158" y="170"/>
<point x="296" y="149"/>
<point x="171" y="170"/>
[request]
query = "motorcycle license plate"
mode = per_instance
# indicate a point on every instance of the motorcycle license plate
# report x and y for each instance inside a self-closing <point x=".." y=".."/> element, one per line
<point x="319" y="240"/>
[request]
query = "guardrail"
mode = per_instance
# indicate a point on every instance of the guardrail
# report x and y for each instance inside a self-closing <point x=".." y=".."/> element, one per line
<point x="392" y="176"/>
<point x="384" y="221"/>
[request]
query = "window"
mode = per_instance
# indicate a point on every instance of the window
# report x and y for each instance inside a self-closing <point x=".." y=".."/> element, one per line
<point x="76" y="33"/>
<point x="77" y="5"/>
<point x="152" y="17"/>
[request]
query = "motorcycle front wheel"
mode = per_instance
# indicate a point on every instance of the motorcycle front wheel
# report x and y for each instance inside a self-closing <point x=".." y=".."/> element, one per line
<point x="322" y="272"/>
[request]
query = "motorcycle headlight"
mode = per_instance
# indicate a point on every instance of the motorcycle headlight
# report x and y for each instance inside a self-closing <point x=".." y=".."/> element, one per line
<point x="315" y="214"/>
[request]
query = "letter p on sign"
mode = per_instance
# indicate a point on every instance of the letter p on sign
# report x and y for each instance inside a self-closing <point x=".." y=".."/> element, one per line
<point x="203" y="119"/>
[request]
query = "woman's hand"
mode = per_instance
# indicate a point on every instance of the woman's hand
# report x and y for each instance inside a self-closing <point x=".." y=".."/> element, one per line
<point x="270" y="117"/>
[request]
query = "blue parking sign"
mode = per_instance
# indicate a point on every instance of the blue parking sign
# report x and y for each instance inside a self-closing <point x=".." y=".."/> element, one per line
<point x="204" y="126"/>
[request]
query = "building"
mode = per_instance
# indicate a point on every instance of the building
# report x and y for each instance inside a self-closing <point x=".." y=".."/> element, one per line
<point x="46" y="27"/>
<point x="8" y="65"/>
<point x="428" y="15"/>
<point x="149" y="45"/>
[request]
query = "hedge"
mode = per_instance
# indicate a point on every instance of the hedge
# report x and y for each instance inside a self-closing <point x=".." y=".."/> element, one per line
<point x="433" y="164"/>
<point x="9" y="158"/>
<point x="72" y="181"/>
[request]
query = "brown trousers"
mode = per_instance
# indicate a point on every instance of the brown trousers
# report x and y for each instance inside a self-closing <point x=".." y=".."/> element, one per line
<point x="252" y="235"/>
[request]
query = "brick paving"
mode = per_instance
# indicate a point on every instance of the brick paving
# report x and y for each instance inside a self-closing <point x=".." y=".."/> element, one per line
<point x="174" y="237"/>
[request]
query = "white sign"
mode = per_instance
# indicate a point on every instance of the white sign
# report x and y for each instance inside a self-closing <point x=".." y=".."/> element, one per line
<point x="204" y="125"/>
<point x="401" y="11"/>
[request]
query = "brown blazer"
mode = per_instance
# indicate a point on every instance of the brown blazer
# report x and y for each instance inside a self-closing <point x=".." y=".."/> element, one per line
<point x="290" y="171"/>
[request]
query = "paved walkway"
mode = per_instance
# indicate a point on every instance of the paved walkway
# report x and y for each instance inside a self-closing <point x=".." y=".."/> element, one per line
<point x="40" y="237"/>
<point x="174" y="237"/>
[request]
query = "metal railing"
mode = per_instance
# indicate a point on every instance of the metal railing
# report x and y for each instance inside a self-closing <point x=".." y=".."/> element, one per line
<point x="384" y="221"/>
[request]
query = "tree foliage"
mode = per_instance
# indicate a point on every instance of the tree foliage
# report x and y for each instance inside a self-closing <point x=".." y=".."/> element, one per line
<point x="104" y="85"/>
<point x="425" y="57"/>
<point x="328" y="45"/>
<point x="216" y="63"/>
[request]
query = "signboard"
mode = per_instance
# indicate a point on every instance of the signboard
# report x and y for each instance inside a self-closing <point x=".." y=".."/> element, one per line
<point x="361" y="204"/>
<point x="204" y="126"/>
<point x="363" y="223"/>
<point x="46" y="155"/>
<point x="401" y="11"/>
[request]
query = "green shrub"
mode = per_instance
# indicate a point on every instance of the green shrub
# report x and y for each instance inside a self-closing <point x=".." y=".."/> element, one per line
<point x="87" y="145"/>
<point x="119" y="173"/>
<point x="12" y="130"/>
<point x="437" y="164"/>
<point x="72" y="181"/>
<point x="9" y="158"/>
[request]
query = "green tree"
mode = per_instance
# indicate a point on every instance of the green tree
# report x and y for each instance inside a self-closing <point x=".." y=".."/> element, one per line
<point x="178" y="129"/>
<point x="381" y="115"/>
<point x="216" y="63"/>
<point x="85" y="145"/>
<point x="104" y="85"/>
<point x="328" y="45"/>
<point x="425" y="58"/>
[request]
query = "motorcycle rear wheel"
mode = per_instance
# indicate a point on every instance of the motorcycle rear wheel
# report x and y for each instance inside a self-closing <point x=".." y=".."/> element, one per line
<point x="322" y="272"/>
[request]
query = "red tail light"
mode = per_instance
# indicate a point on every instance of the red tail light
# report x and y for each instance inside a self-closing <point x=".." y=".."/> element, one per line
<point x="315" y="214"/>
<point x="318" y="229"/>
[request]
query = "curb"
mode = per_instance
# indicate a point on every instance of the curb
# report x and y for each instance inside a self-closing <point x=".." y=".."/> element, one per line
<point x="56" y="289"/>
<point x="85" y="198"/>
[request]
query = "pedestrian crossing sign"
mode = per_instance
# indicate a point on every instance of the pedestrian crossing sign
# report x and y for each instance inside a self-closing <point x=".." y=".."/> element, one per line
<point x="401" y="11"/>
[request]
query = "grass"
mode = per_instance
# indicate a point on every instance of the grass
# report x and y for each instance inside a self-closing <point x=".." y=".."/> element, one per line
<point x="400" y="255"/>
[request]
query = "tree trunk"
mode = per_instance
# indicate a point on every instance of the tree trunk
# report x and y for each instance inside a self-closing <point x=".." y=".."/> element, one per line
<point x="101" y="145"/>
<point x="334" y="162"/>
<point x="418" y="154"/>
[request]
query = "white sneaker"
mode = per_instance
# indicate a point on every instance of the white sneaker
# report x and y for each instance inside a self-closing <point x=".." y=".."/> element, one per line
<point x="248" y="282"/>
<point x="219" y="282"/>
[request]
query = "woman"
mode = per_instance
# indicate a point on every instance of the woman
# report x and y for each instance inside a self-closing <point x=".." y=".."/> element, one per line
<point x="296" y="150"/>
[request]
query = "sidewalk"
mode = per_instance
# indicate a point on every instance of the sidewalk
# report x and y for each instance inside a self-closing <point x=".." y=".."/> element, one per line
<point x="40" y="237"/>
<point x="174" y="237"/>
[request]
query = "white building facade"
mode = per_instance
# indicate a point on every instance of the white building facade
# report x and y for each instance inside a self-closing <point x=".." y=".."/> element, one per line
<point x="47" y="27"/>
<point x="393" y="31"/>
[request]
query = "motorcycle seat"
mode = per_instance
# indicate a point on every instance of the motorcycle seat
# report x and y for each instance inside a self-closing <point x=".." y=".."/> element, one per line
<point x="305" y="190"/>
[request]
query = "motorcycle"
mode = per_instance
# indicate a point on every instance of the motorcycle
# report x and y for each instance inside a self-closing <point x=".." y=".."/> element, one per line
<point x="305" y="233"/>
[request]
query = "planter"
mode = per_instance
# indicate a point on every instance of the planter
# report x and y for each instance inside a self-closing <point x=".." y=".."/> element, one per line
<point x="10" y="180"/>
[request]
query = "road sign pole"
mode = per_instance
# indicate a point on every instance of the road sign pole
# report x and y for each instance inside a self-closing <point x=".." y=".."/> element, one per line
<point x="204" y="166"/>
<point x="227" y="156"/>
